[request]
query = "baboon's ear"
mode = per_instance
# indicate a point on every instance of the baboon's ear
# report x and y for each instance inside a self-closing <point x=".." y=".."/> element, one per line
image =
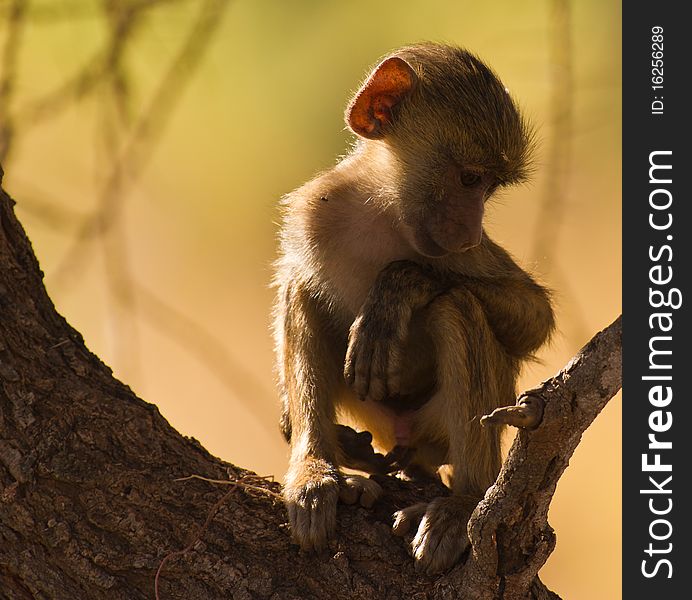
<point x="372" y="109"/>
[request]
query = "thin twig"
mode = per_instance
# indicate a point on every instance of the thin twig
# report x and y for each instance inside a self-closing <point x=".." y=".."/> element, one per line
<point x="240" y="483"/>
<point x="195" y="539"/>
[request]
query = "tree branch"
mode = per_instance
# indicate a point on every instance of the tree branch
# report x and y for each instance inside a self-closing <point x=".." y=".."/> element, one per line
<point x="91" y="502"/>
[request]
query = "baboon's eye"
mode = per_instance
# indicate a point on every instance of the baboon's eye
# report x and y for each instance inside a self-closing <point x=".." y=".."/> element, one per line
<point x="468" y="178"/>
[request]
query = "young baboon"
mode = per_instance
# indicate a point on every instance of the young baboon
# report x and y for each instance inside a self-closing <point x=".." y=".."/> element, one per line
<point x="395" y="312"/>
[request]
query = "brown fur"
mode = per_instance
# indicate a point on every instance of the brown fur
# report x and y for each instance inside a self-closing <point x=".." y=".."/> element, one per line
<point x="393" y="313"/>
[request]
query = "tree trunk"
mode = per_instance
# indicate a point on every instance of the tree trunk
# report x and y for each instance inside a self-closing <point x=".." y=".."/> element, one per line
<point x="90" y="504"/>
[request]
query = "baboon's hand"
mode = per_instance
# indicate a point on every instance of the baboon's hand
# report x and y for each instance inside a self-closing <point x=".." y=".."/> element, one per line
<point x="311" y="493"/>
<point x="378" y="335"/>
<point x="373" y="358"/>
<point x="358" y="453"/>
<point x="441" y="537"/>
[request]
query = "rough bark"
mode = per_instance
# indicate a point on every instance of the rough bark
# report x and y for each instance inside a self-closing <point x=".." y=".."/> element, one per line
<point x="90" y="505"/>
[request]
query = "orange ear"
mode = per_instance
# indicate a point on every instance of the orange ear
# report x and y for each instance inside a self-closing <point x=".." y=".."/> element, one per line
<point x="370" y="111"/>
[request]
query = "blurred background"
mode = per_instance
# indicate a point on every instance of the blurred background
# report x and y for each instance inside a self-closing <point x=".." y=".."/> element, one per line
<point x="148" y="141"/>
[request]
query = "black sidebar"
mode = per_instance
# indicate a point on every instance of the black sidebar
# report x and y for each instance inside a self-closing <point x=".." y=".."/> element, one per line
<point x="657" y="361"/>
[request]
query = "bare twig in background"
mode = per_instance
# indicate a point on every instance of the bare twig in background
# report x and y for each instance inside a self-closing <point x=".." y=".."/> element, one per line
<point x="105" y="225"/>
<point x="145" y="134"/>
<point x="8" y="74"/>
<point x="51" y="212"/>
<point x="50" y="11"/>
<point x="126" y="141"/>
<point x="116" y="259"/>
<point x="559" y="155"/>
<point x="559" y="144"/>
<point x="86" y="80"/>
